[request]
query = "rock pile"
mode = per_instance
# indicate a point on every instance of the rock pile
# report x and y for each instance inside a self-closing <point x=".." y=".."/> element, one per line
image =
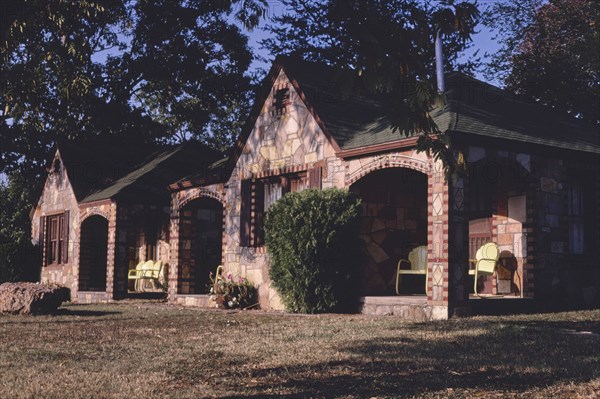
<point x="32" y="298"/>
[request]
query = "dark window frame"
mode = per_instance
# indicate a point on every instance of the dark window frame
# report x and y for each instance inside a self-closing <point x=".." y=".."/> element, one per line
<point x="56" y="239"/>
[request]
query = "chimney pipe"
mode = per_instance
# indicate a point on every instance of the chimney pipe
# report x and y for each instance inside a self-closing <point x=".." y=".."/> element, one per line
<point x="439" y="62"/>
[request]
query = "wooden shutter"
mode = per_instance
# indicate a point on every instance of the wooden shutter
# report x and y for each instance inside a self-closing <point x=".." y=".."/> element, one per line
<point x="315" y="177"/>
<point x="65" y="238"/>
<point x="41" y="239"/>
<point x="245" y="209"/>
<point x="259" y="213"/>
<point x="286" y="185"/>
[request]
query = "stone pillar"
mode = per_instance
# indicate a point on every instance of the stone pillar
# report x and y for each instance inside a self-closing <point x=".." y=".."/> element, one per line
<point x="174" y="250"/>
<point x="121" y="258"/>
<point x="458" y="251"/>
<point x="437" y="242"/>
<point x="111" y="251"/>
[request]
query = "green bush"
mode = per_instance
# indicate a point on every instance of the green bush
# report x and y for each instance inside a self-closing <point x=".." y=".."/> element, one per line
<point x="314" y="249"/>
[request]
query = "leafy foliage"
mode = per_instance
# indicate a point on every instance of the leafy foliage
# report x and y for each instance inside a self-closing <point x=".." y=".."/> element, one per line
<point x="19" y="259"/>
<point x="389" y="45"/>
<point x="550" y="53"/>
<point x="312" y="240"/>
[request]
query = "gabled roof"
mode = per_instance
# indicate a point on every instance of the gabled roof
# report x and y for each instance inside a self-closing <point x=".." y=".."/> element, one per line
<point x="93" y="165"/>
<point x="148" y="182"/>
<point x="473" y="107"/>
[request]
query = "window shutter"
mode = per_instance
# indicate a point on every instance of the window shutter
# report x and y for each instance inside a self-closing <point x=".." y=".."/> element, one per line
<point x="259" y="213"/>
<point x="65" y="238"/>
<point x="246" y="198"/>
<point x="41" y="240"/>
<point x="285" y="185"/>
<point x="315" y="177"/>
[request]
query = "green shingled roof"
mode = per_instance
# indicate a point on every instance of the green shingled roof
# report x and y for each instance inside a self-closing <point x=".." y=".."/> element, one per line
<point x="473" y="107"/>
<point x="149" y="181"/>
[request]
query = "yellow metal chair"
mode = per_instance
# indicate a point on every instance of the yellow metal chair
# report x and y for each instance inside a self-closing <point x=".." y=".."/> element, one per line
<point x="485" y="262"/>
<point x="417" y="260"/>
<point x="151" y="272"/>
<point x="135" y="274"/>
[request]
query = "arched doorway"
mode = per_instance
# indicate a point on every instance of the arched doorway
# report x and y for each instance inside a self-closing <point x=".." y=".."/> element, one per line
<point x="93" y="254"/>
<point x="200" y="242"/>
<point x="393" y="222"/>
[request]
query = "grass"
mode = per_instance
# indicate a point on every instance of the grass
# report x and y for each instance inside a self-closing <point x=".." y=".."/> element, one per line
<point x="145" y="350"/>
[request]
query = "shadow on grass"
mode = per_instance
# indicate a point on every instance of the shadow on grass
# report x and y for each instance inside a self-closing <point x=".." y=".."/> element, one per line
<point x="500" y="356"/>
<point x="83" y="312"/>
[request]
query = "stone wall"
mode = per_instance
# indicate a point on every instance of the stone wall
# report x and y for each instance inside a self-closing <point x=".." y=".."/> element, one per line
<point x="58" y="197"/>
<point x="564" y="277"/>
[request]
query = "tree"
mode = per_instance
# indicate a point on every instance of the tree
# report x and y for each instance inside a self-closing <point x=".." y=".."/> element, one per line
<point x="554" y="57"/>
<point x="508" y="20"/>
<point x="388" y="44"/>
<point x="19" y="259"/>
<point x="137" y="70"/>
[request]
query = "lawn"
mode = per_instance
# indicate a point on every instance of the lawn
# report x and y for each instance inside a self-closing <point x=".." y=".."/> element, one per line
<point x="144" y="350"/>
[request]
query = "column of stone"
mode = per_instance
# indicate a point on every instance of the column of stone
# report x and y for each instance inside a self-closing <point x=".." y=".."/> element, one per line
<point x="437" y="242"/>
<point x="121" y="258"/>
<point x="174" y="249"/>
<point x="111" y="250"/>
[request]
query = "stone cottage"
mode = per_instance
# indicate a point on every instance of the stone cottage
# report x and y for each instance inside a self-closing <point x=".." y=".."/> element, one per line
<point x="532" y="187"/>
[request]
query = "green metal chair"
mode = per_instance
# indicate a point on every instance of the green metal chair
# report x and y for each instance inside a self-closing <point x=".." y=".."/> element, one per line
<point x="485" y="262"/>
<point x="417" y="260"/>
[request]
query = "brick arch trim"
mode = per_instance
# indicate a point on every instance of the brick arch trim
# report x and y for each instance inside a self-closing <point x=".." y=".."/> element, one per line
<point x="202" y="193"/>
<point x="389" y="161"/>
<point x="87" y="214"/>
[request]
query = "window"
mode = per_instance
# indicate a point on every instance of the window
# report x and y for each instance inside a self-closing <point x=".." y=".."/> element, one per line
<point x="259" y="195"/>
<point x="576" y="222"/>
<point x="281" y="98"/>
<point x="57" y="238"/>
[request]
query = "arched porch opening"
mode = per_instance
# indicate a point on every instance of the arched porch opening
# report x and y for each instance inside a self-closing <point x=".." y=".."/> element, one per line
<point x="393" y="221"/>
<point x="200" y="244"/>
<point x="93" y="254"/>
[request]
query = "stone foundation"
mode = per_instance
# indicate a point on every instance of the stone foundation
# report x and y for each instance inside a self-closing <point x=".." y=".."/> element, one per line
<point x="199" y="301"/>
<point x="409" y="308"/>
<point x="92" y="297"/>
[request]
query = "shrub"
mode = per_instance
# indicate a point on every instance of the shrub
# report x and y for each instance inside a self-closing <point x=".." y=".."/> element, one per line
<point x="314" y="249"/>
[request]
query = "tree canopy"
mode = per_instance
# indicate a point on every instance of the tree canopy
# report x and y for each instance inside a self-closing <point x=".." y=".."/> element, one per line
<point x="550" y="53"/>
<point x="137" y="70"/>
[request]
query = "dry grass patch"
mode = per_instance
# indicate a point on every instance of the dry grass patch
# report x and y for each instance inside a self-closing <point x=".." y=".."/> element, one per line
<point x="129" y="351"/>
